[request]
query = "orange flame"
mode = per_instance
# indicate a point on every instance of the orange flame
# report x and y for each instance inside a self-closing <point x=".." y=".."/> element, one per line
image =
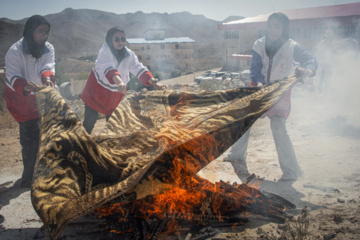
<point x="189" y="197"/>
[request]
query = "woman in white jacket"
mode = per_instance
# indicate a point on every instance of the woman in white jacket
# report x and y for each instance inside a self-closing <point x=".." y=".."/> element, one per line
<point x="273" y="58"/>
<point x="29" y="62"/>
<point x="106" y="85"/>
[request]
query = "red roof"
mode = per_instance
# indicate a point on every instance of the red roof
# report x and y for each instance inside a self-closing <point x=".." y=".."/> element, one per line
<point x="314" y="15"/>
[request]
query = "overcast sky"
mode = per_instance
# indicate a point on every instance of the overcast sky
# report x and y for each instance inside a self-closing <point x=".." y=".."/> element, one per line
<point x="212" y="9"/>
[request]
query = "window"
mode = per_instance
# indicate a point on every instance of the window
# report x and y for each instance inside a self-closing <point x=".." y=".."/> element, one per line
<point x="162" y="46"/>
<point x="148" y="57"/>
<point x="139" y="57"/>
<point x="232" y="35"/>
<point x="177" y="46"/>
<point x="148" y="47"/>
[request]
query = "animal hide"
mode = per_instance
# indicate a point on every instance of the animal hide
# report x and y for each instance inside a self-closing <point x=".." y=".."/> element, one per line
<point x="130" y="159"/>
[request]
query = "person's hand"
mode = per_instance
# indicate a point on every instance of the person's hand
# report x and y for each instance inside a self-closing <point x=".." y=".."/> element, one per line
<point x="30" y="87"/>
<point x="157" y="85"/>
<point x="303" y="72"/>
<point x="259" y="84"/>
<point x="121" y="87"/>
<point x="47" y="82"/>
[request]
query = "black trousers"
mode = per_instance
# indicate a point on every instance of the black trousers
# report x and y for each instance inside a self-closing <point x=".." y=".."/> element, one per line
<point x="29" y="140"/>
<point x="90" y="118"/>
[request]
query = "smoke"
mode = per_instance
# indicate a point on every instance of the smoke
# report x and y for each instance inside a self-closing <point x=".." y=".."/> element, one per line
<point x="339" y="74"/>
<point x="344" y="85"/>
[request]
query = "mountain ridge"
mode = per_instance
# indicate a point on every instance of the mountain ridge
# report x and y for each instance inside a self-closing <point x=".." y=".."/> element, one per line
<point x="81" y="32"/>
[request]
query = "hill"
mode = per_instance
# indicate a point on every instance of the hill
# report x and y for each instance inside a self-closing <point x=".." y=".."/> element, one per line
<point x="81" y="32"/>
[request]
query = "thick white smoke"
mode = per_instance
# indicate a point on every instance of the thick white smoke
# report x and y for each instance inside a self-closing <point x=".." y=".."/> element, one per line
<point x="339" y="58"/>
<point x="344" y="81"/>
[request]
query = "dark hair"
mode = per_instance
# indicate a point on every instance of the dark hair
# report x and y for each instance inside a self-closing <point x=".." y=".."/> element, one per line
<point x="110" y="33"/>
<point x="271" y="47"/>
<point x="285" y="22"/>
<point x="119" y="54"/>
<point x="31" y="24"/>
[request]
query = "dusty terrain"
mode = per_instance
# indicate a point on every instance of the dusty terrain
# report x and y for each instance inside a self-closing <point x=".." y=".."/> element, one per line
<point x="327" y="145"/>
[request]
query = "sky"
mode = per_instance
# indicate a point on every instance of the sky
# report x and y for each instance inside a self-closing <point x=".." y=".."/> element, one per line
<point x="213" y="9"/>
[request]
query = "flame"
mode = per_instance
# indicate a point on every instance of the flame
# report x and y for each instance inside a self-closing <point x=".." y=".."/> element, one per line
<point x="188" y="196"/>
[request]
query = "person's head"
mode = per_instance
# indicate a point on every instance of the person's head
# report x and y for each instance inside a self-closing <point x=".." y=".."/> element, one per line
<point x="36" y="30"/>
<point x="115" y="38"/>
<point x="36" y="33"/>
<point x="278" y="26"/>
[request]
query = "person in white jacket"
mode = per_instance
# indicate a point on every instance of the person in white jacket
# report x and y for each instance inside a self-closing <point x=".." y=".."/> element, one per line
<point x="29" y="62"/>
<point x="106" y="85"/>
<point x="273" y="58"/>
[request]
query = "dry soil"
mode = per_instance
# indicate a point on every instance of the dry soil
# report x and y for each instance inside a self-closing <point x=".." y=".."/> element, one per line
<point x="327" y="146"/>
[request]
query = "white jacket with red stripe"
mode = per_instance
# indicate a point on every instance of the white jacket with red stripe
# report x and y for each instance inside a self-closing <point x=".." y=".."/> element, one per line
<point x="21" y="68"/>
<point x="101" y="92"/>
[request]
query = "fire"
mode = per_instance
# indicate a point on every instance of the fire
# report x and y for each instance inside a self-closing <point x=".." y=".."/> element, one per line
<point x="187" y="196"/>
<point x="190" y="198"/>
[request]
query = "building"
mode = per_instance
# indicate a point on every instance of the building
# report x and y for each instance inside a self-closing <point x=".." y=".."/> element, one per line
<point x="307" y="26"/>
<point x="161" y="53"/>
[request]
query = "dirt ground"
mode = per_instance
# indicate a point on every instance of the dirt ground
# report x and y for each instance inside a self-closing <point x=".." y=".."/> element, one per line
<point x="327" y="146"/>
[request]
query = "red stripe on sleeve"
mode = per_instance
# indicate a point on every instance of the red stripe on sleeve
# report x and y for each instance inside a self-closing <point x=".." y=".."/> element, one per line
<point x="145" y="77"/>
<point x="109" y="75"/>
<point x="47" y="74"/>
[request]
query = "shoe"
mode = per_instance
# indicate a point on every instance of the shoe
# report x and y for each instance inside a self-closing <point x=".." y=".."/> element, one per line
<point x="243" y="175"/>
<point x="291" y="178"/>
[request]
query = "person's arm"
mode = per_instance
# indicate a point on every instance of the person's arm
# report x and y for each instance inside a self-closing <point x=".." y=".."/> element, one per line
<point x="121" y="86"/>
<point x="308" y="63"/>
<point x="105" y="66"/>
<point x="147" y="79"/>
<point x="255" y="70"/>
<point x="14" y="79"/>
<point x="48" y="67"/>
<point x="156" y="84"/>
<point x="143" y="74"/>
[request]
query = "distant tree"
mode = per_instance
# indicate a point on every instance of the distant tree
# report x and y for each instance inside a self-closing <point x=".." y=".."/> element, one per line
<point x="175" y="73"/>
<point x="158" y="75"/>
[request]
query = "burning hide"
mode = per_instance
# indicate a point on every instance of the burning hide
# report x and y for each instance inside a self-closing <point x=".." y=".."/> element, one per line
<point x="149" y="152"/>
